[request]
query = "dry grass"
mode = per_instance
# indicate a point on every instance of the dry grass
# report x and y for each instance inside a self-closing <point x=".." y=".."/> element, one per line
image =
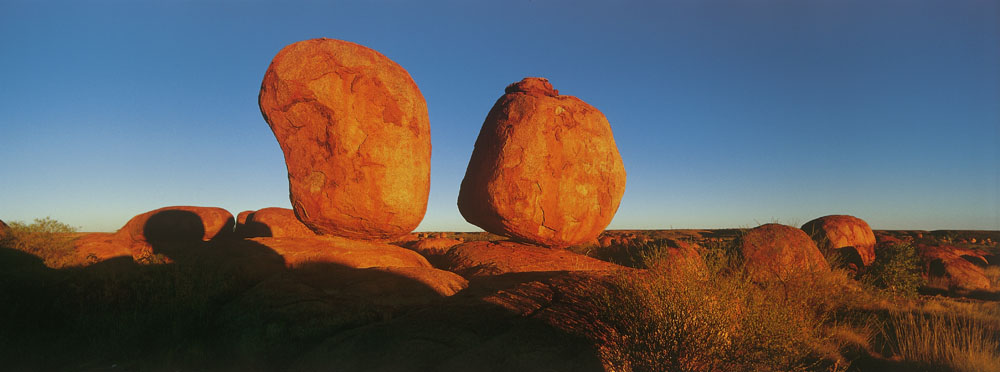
<point x="946" y="341"/>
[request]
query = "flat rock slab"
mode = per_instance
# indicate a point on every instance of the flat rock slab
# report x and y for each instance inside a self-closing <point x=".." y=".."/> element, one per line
<point x="501" y="257"/>
<point x="341" y="251"/>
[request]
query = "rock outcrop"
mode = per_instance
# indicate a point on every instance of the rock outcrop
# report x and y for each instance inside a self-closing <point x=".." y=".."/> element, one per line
<point x="4" y="230"/>
<point x="274" y="222"/>
<point x="846" y="236"/>
<point x="164" y="227"/>
<point x="959" y="268"/>
<point x="356" y="137"/>
<point x="545" y="169"/>
<point x="773" y="251"/>
<point x="484" y="258"/>
<point x="343" y="252"/>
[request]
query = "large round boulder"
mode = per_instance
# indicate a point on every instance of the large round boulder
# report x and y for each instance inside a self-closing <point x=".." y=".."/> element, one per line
<point x="545" y="169"/>
<point x="846" y="236"/>
<point x="778" y="252"/>
<point x="356" y="137"/>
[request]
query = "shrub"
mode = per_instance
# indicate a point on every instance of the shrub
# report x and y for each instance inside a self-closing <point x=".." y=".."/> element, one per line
<point x="688" y="321"/>
<point x="46" y="238"/>
<point x="896" y="270"/>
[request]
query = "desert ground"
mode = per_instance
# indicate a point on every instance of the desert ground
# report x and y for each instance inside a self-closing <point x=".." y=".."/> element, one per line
<point x="269" y="297"/>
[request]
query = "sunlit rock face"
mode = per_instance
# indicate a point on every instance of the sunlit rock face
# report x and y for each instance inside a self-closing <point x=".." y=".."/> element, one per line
<point x="272" y="222"/>
<point x="545" y="169"/>
<point x="356" y="137"/>
<point x="847" y="236"/>
<point x="775" y="252"/>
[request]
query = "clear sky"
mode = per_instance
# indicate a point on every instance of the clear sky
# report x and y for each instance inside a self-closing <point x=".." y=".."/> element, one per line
<point x="726" y="113"/>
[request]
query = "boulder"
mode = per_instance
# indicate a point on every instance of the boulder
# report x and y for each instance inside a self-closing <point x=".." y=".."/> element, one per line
<point x="849" y="236"/>
<point x="241" y="220"/>
<point x="433" y="246"/>
<point x="343" y="252"/>
<point x="774" y="251"/>
<point x="276" y="223"/>
<point x="174" y="225"/>
<point x="959" y="268"/>
<point x="96" y="247"/>
<point x="482" y="258"/>
<point x="356" y="137"/>
<point x="4" y="230"/>
<point x="545" y="169"/>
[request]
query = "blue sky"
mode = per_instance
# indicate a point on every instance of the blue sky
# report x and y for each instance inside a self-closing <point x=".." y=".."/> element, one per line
<point x="726" y="113"/>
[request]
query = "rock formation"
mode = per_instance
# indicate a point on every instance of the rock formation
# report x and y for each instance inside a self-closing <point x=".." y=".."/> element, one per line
<point x="4" y="230"/>
<point x="432" y="246"/>
<point x="545" y="169"/>
<point x="849" y="237"/>
<point x="959" y="268"/>
<point x="164" y="226"/>
<point x="273" y="222"/>
<point x="774" y="251"/>
<point x="356" y="137"/>
<point x="341" y="251"/>
<point x="483" y="258"/>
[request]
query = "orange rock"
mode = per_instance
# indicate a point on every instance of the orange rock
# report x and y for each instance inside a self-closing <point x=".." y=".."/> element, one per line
<point x="4" y="230"/>
<point x="178" y="224"/>
<point x="962" y="268"/>
<point x="845" y="234"/>
<point x="356" y="137"/>
<point x="275" y="222"/>
<point x="241" y="220"/>
<point x="774" y="251"/>
<point x="605" y="241"/>
<point x="97" y="247"/>
<point x="341" y="251"/>
<point x="433" y="246"/>
<point x="545" y="169"/>
<point x="501" y="257"/>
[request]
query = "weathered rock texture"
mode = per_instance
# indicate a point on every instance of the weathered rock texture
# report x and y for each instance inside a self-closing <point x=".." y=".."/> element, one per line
<point x="356" y="137"/>
<point x="274" y="222"/>
<point x="502" y="257"/>
<point x="178" y="224"/>
<point x="340" y="251"/>
<point x="959" y="268"/>
<point x="849" y="236"/>
<point x="773" y="251"/>
<point x="545" y="169"/>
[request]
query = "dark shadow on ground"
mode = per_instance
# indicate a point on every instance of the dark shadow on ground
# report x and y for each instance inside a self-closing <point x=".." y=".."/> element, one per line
<point x="232" y="304"/>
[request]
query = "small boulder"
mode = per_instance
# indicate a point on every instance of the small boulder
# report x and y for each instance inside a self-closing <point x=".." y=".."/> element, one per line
<point x="341" y="251"/>
<point x="774" y="251"/>
<point x="4" y="230"/>
<point x="356" y="137"/>
<point x="275" y="223"/>
<point x="175" y="225"/>
<point x="545" y="169"/>
<point x="848" y="236"/>
<point x="484" y="258"/>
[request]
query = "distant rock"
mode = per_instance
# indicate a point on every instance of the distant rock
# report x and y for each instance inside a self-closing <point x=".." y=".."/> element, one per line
<point x="545" y="169"/>
<point x="773" y="251"/>
<point x="494" y="258"/>
<point x="356" y="137"/>
<point x="433" y="246"/>
<point x="848" y="236"/>
<point x="274" y="222"/>
<point x="960" y="268"/>
<point x="341" y="251"/>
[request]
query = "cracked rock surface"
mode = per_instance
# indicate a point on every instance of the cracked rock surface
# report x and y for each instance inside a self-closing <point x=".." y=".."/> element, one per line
<point x="356" y="137"/>
<point x="545" y="169"/>
<point x="837" y="232"/>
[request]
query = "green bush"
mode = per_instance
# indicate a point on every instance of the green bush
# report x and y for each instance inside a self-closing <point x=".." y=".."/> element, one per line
<point x="46" y="238"/>
<point x="896" y="270"/>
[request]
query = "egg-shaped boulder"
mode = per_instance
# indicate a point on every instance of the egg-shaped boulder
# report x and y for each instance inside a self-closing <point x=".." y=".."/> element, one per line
<point x="846" y="236"/>
<point x="356" y="137"/>
<point x="545" y="169"/>
<point x="777" y="252"/>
